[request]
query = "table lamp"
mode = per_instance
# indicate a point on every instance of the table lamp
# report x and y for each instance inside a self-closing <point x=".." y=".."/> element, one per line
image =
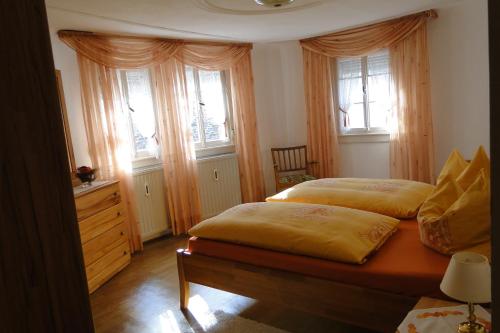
<point x="468" y="279"/>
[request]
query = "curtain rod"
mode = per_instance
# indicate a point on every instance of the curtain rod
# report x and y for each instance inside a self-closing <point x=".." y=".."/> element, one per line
<point x="430" y="13"/>
<point x="173" y="40"/>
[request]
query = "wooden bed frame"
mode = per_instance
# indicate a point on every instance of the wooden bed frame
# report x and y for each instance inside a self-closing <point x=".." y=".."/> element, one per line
<point x="369" y="308"/>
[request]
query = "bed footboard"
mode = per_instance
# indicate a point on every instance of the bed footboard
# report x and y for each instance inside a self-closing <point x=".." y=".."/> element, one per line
<point x="351" y="304"/>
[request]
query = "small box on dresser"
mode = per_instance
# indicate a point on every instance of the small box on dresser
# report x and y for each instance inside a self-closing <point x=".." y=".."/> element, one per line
<point x="103" y="231"/>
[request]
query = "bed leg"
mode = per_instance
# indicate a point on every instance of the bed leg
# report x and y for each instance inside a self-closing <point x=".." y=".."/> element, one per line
<point x="183" y="283"/>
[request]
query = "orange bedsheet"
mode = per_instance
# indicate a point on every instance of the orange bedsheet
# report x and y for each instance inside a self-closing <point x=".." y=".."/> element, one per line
<point x="403" y="265"/>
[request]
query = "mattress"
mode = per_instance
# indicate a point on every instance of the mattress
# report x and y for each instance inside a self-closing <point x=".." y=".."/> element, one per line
<point x="402" y="266"/>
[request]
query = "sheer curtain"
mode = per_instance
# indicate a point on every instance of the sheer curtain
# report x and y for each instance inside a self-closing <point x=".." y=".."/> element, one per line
<point x="236" y="58"/>
<point x="247" y="139"/>
<point x="105" y="116"/>
<point x="411" y="145"/>
<point x="167" y="59"/>
<point x="379" y="84"/>
<point x="411" y="154"/>
<point x="322" y="139"/>
<point x="349" y="76"/>
<point x="178" y="155"/>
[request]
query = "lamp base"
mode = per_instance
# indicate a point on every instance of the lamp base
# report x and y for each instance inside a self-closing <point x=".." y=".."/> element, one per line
<point x="471" y="327"/>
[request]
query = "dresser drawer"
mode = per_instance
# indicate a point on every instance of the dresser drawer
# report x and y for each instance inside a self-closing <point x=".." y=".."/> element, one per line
<point x="96" y="201"/>
<point x="107" y="266"/>
<point x="104" y="243"/>
<point x="98" y="224"/>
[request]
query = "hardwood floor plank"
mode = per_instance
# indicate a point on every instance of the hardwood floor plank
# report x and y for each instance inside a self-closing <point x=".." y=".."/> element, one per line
<point x="144" y="298"/>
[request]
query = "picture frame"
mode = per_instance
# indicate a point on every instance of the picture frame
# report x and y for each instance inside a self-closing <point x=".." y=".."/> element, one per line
<point x="67" y="133"/>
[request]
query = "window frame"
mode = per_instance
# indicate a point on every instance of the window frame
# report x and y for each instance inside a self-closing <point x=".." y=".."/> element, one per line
<point x="367" y="130"/>
<point x="140" y="160"/>
<point x="203" y="148"/>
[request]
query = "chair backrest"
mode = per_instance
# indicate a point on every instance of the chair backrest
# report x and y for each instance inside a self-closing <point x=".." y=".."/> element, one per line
<point x="290" y="159"/>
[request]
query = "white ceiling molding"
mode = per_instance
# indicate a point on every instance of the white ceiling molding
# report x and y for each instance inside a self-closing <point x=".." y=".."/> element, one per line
<point x="171" y="31"/>
<point x="228" y="20"/>
<point x="232" y="7"/>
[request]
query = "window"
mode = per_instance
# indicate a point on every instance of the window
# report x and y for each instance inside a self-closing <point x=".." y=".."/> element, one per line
<point x="364" y="93"/>
<point x="209" y="107"/>
<point x="139" y="96"/>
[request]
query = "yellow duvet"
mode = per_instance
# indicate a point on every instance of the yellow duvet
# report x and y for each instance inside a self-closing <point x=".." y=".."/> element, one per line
<point x="392" y="197"/>
<point x="335" y="233"/>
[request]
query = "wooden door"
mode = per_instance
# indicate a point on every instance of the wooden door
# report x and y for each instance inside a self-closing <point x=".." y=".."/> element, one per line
<point x="42" y="280"/>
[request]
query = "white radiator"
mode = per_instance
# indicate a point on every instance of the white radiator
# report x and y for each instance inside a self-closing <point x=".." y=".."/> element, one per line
<point x="151" y="204"/>
<point x="219" y="184"/>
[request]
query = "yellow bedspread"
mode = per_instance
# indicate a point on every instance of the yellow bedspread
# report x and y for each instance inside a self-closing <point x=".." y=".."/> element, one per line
<point x="329" y="232"/>
<point x="392" y="197"/>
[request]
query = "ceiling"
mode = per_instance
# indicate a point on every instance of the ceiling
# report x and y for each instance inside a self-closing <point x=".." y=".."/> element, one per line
<point x="233" y="20"/>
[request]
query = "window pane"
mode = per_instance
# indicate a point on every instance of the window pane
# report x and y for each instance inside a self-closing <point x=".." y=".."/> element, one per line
<point x="380" y="100"/>
<point x="378" y="63"/>
<point x="140" y="101"/>
<point x="349" y="68"/>
<point x="356" y="116"/>
<point x="213" y="106"/>
<point x="194" y="106"/>
<point x="351" y="91"/>
<point x="379" y="88"/>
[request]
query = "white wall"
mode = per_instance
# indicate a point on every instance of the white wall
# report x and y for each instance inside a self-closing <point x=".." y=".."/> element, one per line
<point x="279" y="98"/>
<point x="458" y="54"/>
<point x="65" y="61"/>
<point x="365" y="159"/>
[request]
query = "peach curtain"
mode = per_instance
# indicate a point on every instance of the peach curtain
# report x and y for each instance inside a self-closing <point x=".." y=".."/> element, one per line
<point x="412" y="143"/>
<point x="247" y="140"/>
<point x="212" y="56"/>
<point x="167" y="58"/>
<point x="411" y="155"/>
<point x="122" y="52"/>
<point x="321" y="121"/>
<point x="363" y="40"/>
<point x="107" y="131"/>
<point x="178" y="155"/>
<point x="236" y="59"/>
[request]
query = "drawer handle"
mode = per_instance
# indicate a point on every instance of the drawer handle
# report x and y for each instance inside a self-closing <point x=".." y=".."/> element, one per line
<point x="118" y="214"/>
<point x="122" y="233"/>
<point x="124" y="252"/>
<point x="115" y="194"/>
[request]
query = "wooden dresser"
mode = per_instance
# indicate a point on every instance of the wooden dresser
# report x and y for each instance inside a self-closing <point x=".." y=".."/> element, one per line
<point x="103" y="231"/>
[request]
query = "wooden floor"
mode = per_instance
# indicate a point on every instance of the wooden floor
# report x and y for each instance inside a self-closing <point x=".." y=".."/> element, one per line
<point x="144" y="298"/>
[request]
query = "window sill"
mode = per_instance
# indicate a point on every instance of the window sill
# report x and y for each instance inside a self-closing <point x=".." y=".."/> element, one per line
<point x="214" y="152"/>
<point x="145" y="165"/>
<point x="364" y="138"/>
<point x="215" y="157"/>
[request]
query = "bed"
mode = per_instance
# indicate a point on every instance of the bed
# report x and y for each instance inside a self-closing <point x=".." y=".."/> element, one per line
<point x="375" y="295"/>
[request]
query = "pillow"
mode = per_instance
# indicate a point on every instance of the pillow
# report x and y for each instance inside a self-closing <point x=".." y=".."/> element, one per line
<point x="452" y="220"/>
<point x="397" y="198"/>
<point x="482" y="248"/>
<point x="471" y="172"/>
<point x="453" y="167"/>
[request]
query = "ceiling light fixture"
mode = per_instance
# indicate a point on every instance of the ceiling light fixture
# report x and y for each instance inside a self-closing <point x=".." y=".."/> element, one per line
<point x="274" y="3"/>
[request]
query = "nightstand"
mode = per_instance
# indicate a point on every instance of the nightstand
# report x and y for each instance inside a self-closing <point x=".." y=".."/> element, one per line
<point x="428" y="302"/>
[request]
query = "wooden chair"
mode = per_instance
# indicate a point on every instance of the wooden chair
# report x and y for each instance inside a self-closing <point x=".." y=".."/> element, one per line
<point x="291" y="166"/>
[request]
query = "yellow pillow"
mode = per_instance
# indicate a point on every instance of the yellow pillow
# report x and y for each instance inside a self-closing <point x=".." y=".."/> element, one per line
<point x="470" y="173"/>
<point x="452" y="220"/>
<point x="453" y="167"/>
<point x="397" y="198"/>
<point x="482" y="248"/>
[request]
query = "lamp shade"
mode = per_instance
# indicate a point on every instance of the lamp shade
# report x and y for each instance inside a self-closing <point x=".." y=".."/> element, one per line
<point x="468" y="278"/>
